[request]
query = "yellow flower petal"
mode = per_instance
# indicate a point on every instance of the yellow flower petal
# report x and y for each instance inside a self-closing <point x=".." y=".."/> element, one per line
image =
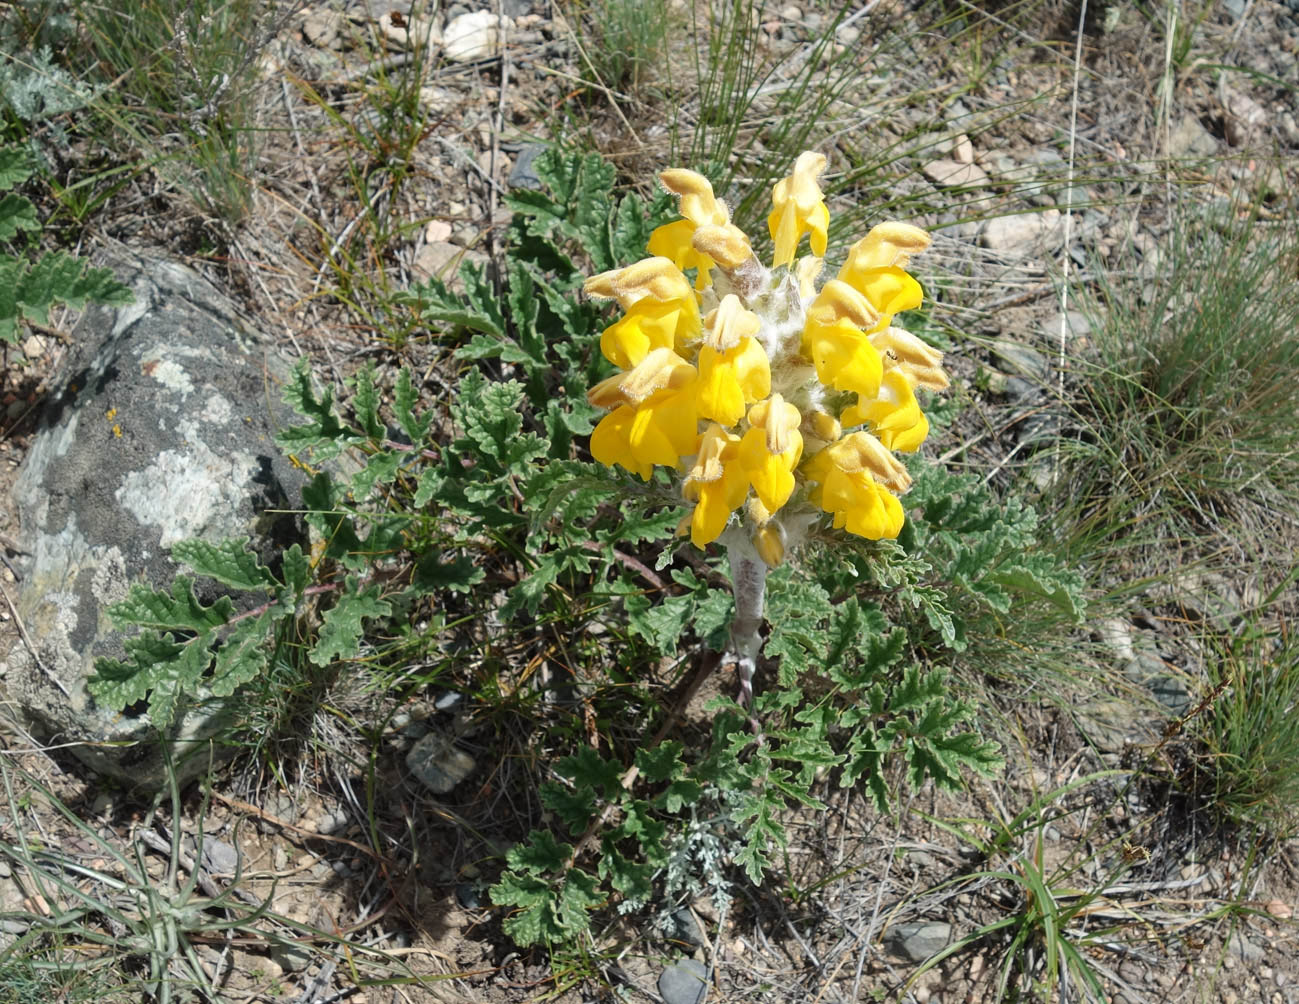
<point x="798" y="208"/>
<point x="887" y="244"/>
<point x="673" y="240"/>
<point x="890" y="290"/>
<point x="920" y="363"/>
<point x="698" y="203"/>
<point x="716" y="483"/>
<point x="844" y="358"/>
<point x="730" y="380"/>
<point x="611" y="442"/>
<point x="730" y="323"/>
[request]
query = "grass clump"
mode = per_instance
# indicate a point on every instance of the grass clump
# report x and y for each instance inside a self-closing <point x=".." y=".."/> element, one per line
<point x="1188" y="402"/>
<point x="1247" y="739"/>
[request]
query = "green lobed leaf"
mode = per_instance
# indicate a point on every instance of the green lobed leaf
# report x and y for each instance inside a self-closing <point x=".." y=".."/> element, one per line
<point x="16" y="213"/>
<point x="176" y="610"/>
<point x="230" y="562"/>
<point x="15" y="167"/>
<point x="340" y="634"/>
<point x="539" y="854"/>
<point x="365" y="402"/>
<point x="243" y="656"/>
<point x="158" y="668"/>
<point x="404" y="400"/>
<point x="574" y="806"/>
<point x="476" y="310"/>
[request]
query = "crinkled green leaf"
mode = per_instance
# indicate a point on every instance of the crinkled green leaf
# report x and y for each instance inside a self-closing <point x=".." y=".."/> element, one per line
<point x="16" y="213"/>
<point x="539" y="854"/>
<point x="477" y="309"/>
<point x="340" y="634"/>
<point x="575" y="806"/>
<point x="157" y="668"/>
<point x="243" y="656"/>
<point x="230" y="563"/>
<point x="177" y="610"/>
<point x="365" y="402"/>
<point x="15" y="167"/>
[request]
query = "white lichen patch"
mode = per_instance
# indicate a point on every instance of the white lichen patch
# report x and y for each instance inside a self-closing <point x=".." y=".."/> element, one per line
<point x="188" y="493"/>
<point x="109" y="584"/>
<point x="167" y="372"/>
<point x="216" y="411"/>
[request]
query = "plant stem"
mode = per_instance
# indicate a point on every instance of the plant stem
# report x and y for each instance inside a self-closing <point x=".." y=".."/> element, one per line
<point x="749" y="585"/>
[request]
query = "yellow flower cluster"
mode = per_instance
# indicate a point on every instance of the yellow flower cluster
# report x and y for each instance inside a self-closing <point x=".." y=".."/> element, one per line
<point x="768" y="395"/>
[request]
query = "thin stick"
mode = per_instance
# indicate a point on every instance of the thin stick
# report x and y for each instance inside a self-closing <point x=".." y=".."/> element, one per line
<point x="18" y="622"/>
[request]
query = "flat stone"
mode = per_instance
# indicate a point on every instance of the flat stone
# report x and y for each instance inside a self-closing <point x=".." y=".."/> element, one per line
<point x="471" y="37"/>
<point x="156" y="430"/>
<point x="920" y="940"/>
<point x="1243" y="948"/>
<point x="438" y="764"/>
<point x="1190" y="139"/>
<point x="684" y="982"/>
<point x="953" y="174"/>
<point x="441" y="259"/>
<point x="1021" y="234"/>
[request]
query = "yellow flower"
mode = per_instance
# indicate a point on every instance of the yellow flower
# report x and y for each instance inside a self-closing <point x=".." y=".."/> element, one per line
<point x="921" y="364"/>
<point x="733" y="366"/>
<point x="894" y="414"/>
<point x="834" y="338"/>
<point x="700" y="208"/>
<point x="798" y="209"/>
<point x="655" y="418"/>
<point x="661" y="310"/>
<point x="770" y="450"/>
<point x="855" y="476"/>
<point x="716" y="484"/>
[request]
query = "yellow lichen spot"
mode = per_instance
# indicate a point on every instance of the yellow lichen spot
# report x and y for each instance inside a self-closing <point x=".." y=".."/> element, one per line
<point x="110" y="414"/>
<point x="117" y="431"/>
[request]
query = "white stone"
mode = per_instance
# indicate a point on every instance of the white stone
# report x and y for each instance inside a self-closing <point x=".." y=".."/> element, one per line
<point x="472" y="36"/>
<point x="952" y="174"/>
<point x="1022" y="234"/>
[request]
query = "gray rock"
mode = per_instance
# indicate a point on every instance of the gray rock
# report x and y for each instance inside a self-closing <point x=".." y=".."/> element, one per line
<point x="1021" y="359"/>
<point x="156" y="431"/>
<point x="1021" y="234"/>
<point x="1191" y="139"/>
<point x="218" y="857"/>
<point x="438" y="764"/>
<point x="522" y="174"/>
<point x="684" y="982"/>
<point x="686" y="929"/>
<point x="1243" y="948"/>
<point x="919" y="941"/>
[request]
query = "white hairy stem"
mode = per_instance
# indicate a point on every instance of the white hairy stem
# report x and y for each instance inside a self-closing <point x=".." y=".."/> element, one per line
<point x="749" y="585"/>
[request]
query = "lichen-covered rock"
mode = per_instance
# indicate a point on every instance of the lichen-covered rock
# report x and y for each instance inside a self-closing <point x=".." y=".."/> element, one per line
<point x="161" y="428"/>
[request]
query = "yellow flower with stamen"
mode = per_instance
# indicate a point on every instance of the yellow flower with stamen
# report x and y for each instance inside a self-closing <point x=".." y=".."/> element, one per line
<point x="798" y="208"/>
<point x="661" y="310"/>
<point x="699" y="207"/>
<point x="770" y="450"/>
<point x="834" y="336"/>
<point x="921" y="364"/>
<point x="655" y="418"/>
<point x="733" y="366"/>
<point x="855" y="476"/>
<point x="743" y="384"/>
<point x="894" y="414"/>
<point x="716" y="483"/>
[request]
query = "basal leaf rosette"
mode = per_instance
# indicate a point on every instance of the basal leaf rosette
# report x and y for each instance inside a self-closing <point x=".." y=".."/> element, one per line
<point x="776" y="400"/>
